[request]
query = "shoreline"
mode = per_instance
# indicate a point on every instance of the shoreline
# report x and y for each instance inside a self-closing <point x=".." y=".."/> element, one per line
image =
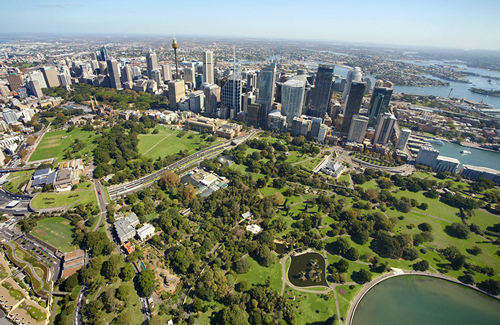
<point x="464" y="144"/>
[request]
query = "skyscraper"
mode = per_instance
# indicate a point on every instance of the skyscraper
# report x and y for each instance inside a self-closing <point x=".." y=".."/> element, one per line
<point x="50" y="76"/>
<point x="356" y="92"/>
<point x="15" y="81"/>
<point x="231" y="95"/>
<point x="189" y="75"/>
<point x="114" y="74"/>
<point x="292" y="99"/>
<point x="254" y="117"/>
<point x="38" y="76"/>
<point x="380" y="100"/>
<point x="321" y="94"/>
<point x="176" y="91"/>
<point x="357" y="129"/>
<point x="353" y="75"/>
<point x="212" y="97"/>
<point x="126" y="74"/>
<point x="403" y="139"/>
<point x="166" y="72"/>
<point x="35" y="88"/>
<point x="151" y="62"/>
<point x="104" y="54"/>
<point x="385" y="126"/>
<point x="266" y="84"/>
<point x="208" y="67"/>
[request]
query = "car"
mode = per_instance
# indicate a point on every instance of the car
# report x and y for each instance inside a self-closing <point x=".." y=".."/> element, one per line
<point x="99" y="192"/>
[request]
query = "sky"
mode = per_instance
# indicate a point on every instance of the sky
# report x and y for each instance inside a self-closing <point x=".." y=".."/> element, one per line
<point x="440" y="23"/>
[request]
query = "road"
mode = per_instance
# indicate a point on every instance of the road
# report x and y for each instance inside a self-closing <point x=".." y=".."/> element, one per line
<point x="20" y="209"/>
<point x="131" y="187"/>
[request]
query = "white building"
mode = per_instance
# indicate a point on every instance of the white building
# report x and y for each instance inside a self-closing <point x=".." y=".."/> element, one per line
<point x="208" y="67"/>
<point x="146" y="231"/>
<point x="384" y="128"/>
<point x="403" y="139"/>
<point x="446" y="164"/>
<point x="292" y="98"/>
<point x="357" y="129"/>
<point x="427" y="156"/>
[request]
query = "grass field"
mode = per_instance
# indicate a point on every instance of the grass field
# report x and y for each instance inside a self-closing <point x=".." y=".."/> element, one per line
<point x="53" y="144"/>
<point x="259" y="274"/>
<point x="50" y="200"/>
<point x="167" y="143"/>
<point x="18" y="180"/>
<point x="57" y="232"/>
<point x="346" y="298"/>
<point x="312" y="308"/>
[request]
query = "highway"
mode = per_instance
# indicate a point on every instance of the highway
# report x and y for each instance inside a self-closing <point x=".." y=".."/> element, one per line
<point x="130" y="187"/>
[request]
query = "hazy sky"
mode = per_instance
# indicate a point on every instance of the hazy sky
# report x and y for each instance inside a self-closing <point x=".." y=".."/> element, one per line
<point x="445" y="23"/>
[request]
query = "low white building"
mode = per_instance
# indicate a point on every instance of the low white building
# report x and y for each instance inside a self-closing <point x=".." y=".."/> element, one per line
<point x="146" y="231"/>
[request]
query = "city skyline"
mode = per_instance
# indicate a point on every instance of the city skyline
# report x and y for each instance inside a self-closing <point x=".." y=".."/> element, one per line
<point x="443" y="24"/>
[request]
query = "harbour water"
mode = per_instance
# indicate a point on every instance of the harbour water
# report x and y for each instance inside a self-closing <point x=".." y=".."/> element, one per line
<point x="417" y="300"/>
<point x="477" y="157"/>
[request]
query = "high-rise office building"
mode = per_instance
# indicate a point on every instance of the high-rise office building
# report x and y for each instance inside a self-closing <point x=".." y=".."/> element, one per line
<point x="196" y="101"/>
<point x="151" y="62"/>
<point x="15" y="81"/>
<point x="114" y="74"/>
<point x="104" y="54"/>
<point x="35" y="88"/>
<point x="357" y="129"/>
<point x="64" y="80"/>
<point x="292" y="98"/>
<point x="176" y="91"/>
<point x="126" y="74"/>
<point x="38" y="76"/>
<point x="384" y="129"/>
<point x="267" y="85"/>
<point x="353" y="105"/>
<point x="321" y="94"/>
<point x="254" y="115"/>
<point x="231" y="95"/>
<point x="50" y="76"/>
<point x="156" y="76"/>
<point x="189" y="75"/>
<point x="352" y="75"/>
<point x="166" y="72"/>
<point x="403" y="139"/>
<point x="212" y="97"/>
<point x="380" y="100"/>
<point x="316" y="124"/>
<point x="208" y="67"/>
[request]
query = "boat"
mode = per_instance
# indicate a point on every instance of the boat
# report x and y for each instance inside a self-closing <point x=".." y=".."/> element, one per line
<point x="435" y="141"/>
<point x="465" y="152"/>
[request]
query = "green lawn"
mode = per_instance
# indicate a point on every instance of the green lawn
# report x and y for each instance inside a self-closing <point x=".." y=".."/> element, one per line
<point x="312" y="308"/>
<point x="367" y="185"/>
<point x="49" y="200"/>
<point x="56" y="231"/>
<point x="436" y="207"/>
<point x="53" y="144"/>
<point x="346" y="299"/>
<point x="167" y="142"/>
<point x="18" y="180"/>
<point x="258" y="274"/>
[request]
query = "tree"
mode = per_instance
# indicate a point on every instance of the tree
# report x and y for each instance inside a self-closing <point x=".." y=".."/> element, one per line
<point x="241" y="266"/>
<point x="23" y="153"/>
<point x="127" y="272"/>
<point x="341" y="266"/>
<point x="232" y="315"/>
<point x="421" y="266"/>
<point x="278" y="199"/>
<point x="371" y="194"/>
<point x="352" y="254"/>
<point x="491" y="286"/>
<point x="147" y="282"/>
<point x="189" y="192"/>
<point x="30" y="141"/>
<point x="458" y="230"/>
<point x="410" y="254"/>
<point x="170" y="178"/>
<point x="70" y="283"/>
<point x="425" y="226"/>
<point x="362" y="276"/>
<point x="123" y="292"/>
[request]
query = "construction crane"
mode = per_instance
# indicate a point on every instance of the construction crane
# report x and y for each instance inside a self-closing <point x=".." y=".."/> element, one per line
<point x="450" y="93"/>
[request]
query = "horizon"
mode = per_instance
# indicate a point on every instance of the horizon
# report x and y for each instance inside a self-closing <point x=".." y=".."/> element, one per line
<point x="455" y="25"/>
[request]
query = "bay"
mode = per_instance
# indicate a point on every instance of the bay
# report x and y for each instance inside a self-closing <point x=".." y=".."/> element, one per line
<point x="417" y="300"/>
<point x="477" y="157"/>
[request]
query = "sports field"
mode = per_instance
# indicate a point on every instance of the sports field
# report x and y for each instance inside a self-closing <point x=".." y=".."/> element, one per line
<point x="166" y="142"/>
<point x="57" y="232"/>
<point x="55" y="143"/>
<point x="50" y="200"/>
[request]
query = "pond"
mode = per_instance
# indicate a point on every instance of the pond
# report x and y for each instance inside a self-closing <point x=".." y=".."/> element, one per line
<point x="416" y="300"/>
<point x="281" y="248"/>
<point x="307" y="270"/>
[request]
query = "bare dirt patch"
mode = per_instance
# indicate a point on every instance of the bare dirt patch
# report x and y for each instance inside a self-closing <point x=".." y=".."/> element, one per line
<point x="342" y="291"/>
<point x="40" y="232"/>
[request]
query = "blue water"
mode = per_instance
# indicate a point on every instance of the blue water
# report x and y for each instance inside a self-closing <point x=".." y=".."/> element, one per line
<point x="477" y="157"/>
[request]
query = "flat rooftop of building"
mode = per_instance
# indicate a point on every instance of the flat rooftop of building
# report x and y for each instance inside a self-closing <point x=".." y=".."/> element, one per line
<point x="482" y="169"/>
<point x="448" y="159"/>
